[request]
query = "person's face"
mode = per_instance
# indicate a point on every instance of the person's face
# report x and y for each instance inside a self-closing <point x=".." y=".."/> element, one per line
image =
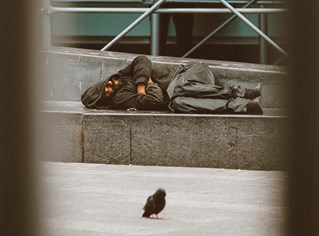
<point x="111" y="87"/>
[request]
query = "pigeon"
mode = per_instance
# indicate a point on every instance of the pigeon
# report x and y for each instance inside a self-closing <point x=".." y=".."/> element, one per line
<point x="155" y="203"/>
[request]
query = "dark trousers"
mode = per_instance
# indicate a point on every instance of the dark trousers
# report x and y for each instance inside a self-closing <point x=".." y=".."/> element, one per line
<point x="209" y="105"/>
<point x="193" y="90"/>
<point x="183" y="27"/>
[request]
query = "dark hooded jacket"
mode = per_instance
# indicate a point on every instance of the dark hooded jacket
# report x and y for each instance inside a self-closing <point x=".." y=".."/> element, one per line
<point x="138" y="72"/>
<point x="189" y="89"/>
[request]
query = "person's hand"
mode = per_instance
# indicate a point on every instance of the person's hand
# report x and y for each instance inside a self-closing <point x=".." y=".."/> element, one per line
<point x="108" y="90"/>
<point x="141" y="89"/>
<point x="150" y="81"/>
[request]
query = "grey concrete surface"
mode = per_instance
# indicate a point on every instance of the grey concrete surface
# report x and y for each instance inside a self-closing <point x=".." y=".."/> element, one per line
<point x="68" y="72"/>
<point x="95" y="199"/>
<point x="61" y="136"/>
<point x="75" y="134"/>
<point x="163" y="138"/>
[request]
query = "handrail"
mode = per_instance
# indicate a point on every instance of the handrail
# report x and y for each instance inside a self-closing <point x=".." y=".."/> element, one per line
<point x="263" y="2"/>
<point x="166" y="10"/>
<point x="238" y="12"/>
<point x="229" y="1"/>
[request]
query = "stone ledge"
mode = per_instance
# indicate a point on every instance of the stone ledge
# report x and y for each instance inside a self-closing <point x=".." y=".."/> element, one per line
<point x="68" y="72"/>
<point x="165" y="139"/>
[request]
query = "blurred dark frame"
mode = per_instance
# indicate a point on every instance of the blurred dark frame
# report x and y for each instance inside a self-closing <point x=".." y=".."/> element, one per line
<point x="19" y="194"/>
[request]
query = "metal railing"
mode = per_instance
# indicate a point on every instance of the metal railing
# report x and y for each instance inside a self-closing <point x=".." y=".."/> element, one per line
<point x="154" y="9"/>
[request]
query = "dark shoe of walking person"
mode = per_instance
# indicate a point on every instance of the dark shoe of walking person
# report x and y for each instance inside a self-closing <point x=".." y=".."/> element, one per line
<point x="254" y="92"/>
<point x="255" y="106"/>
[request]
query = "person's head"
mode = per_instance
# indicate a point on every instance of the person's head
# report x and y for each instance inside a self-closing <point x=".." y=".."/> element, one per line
<point x="111" y="87"/>
<point x="100" y="95"/>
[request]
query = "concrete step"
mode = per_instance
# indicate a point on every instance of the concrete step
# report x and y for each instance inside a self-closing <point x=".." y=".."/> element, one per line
<point x="68" y="72"/>
<point x="76" y="134"/>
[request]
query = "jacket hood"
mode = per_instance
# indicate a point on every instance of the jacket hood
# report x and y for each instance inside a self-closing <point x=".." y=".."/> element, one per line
<point x="94" y="97"/>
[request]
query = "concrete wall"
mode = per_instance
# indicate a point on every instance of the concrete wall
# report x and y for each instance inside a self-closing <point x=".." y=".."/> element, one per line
<point x="68" y="72"/>
<point x="77" y="134"/>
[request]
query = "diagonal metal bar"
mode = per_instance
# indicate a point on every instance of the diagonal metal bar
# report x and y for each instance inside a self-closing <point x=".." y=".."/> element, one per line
<point x="279" y="61"/>
<point x="258" y="31"/>
<point x="216" y="30"/>
<point x="131" y="26"/>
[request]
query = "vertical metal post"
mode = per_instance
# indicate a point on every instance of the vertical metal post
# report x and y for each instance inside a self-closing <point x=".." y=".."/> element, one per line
<point x="155" y="34"/>
<point x="46" y="24"/>
<point x="263" y="25"/>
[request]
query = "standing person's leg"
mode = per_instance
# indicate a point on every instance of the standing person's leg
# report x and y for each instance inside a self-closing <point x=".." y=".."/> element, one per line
<point x="163" y="32"/>
<point x="183" y="27"/>
<point x="184" y="32"/>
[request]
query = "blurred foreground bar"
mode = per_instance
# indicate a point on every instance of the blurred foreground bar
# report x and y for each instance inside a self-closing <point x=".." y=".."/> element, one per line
<point x="304" y="111"/>
<point x="19" y="198"/>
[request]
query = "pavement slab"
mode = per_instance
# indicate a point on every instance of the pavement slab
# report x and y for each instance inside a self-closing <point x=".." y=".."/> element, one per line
<point x="100" y="199"/>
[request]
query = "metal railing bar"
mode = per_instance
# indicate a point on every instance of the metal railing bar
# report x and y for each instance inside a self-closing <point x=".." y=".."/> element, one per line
<point x="221" y="10"/>
<point x="103" y="1"/>
<point x="263" y="26"/>
<point x="258" y="31"/>
<point x="154" y="9"/>
<point x="229" y="1"/>
<point x="279" y="61"/>
<point x="163" y="11"/>
<point x="131" y="26"/>
<point x="170" y="1"/>
<point x="215" y="31"/>
<point x="155" y="32"/>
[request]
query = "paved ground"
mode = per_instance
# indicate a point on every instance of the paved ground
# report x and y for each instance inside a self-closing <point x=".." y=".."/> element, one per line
<point x="97" y="199"/>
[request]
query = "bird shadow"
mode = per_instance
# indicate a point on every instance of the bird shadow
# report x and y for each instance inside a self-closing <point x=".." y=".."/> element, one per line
<point x="155" y="218"/>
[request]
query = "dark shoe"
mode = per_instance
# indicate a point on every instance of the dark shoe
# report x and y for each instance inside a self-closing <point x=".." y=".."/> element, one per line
<point x="255" y="106"/>
<point x="254" y="92"/>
